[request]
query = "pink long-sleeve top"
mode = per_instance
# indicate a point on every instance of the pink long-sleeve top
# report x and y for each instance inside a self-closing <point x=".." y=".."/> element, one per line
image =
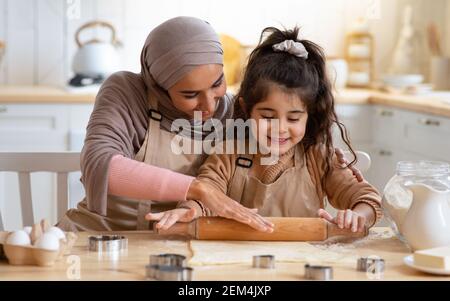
<point x="138" y="180"/>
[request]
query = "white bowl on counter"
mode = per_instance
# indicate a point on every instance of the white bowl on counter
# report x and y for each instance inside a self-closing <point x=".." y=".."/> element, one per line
<point x="402" y="80"/>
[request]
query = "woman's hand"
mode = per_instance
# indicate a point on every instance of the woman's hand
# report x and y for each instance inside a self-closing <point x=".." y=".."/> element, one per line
<point x="224" y="206"/>
<point x="342" y="160"/>
<point x="347" y="219"/>
<point x="168" y="218"/>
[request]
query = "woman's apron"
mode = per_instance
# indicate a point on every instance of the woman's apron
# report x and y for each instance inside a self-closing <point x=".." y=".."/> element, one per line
<point x="127" y="214"/>
<point x="293" y="194"/>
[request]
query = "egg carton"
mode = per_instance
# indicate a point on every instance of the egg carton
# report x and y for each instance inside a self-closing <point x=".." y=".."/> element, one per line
<point x="32" y="255"/>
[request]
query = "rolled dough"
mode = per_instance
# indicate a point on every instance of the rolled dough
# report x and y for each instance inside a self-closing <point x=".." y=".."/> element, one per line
<point x="240" y="252"/>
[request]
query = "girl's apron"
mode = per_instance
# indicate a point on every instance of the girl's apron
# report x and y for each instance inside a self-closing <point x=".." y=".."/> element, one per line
<point x="128" y="214"/>
<point x="293" y="194"/>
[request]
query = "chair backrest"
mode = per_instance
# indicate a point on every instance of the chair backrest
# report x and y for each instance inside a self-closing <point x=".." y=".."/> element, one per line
<point x="364" y="160"/>
<point x="61" y="163"/>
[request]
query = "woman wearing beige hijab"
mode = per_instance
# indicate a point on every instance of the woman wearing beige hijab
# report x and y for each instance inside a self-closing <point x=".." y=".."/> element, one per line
<point x="128" y="167"/>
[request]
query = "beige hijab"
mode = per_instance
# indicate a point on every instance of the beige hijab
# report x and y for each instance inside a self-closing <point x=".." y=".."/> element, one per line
<point x="171" y="51"/>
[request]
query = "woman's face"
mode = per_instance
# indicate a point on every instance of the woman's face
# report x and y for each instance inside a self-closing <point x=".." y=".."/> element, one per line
<point x="291" y="114"/>
<point x="199" y="90"/>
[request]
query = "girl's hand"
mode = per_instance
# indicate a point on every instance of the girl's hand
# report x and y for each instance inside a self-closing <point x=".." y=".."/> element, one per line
<point x="224" y="206"/>
<point x="342" y="160"/>
<point x="347" y="219"/>
<point x="168" y="218"/>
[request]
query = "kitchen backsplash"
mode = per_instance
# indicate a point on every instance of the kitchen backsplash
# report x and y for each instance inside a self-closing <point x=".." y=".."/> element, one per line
<point x="39" y="34"/>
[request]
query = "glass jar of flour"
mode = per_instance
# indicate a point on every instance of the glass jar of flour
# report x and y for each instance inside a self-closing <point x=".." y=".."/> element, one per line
<point x="426" y="183"/>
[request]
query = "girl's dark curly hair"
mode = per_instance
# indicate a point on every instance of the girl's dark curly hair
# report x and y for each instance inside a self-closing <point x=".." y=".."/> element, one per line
<point x="305" y="77"/>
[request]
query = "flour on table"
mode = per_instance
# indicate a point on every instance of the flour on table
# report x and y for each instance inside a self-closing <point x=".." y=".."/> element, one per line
<point x="168" y="246"/>
<point x="236" y="252"/>
<point x="239" y="252"/>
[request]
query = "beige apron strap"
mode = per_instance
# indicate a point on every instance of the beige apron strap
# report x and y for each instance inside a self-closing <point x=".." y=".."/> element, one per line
<point x="153" y="115"/>
<point x="299" y="157"/>
<point x="237" y="183"/>
<point x="152" y="148"/>
<point x="140" y="156"/>
<point x="144" y="206"/>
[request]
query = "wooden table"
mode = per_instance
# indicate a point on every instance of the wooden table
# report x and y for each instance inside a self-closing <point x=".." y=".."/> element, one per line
<point x="130" y="265"/>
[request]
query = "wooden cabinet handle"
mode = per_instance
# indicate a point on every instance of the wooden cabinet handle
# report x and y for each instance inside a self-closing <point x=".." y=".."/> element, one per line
<point x="386" y="113"/>
<point x="429" y="122"/>
<point x="385" y="153"/>
<point x="3" y="109"/>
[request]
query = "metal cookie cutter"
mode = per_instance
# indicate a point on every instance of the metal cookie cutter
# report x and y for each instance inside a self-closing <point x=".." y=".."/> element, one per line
<point x="108" y="243"/>
<point x="317" y="272"/>
<point x="264" y="261"/>
<point x="373" y="265"/>
<point x="168" y="273"/>
<point x="168" y="260"/>
<point x="168" y="267"/>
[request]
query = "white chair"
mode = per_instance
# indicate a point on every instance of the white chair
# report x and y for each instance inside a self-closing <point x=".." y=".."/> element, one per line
<point x="364" y="160"/>
<point x="25" y="163"/>
<point x="363" y="165"/>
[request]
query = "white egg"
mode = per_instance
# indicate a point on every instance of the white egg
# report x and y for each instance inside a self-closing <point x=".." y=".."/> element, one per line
<point x="18" y="238"/>
<point x="57" y="232"/>
<point x="27" y="229"/>
<point x="48" y="241"/>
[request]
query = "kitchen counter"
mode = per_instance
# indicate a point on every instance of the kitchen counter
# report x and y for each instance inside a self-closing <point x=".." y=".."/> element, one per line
<point x="131" y="264"/>
<point x="43" y="94"/>
<point x="437" y="103"/>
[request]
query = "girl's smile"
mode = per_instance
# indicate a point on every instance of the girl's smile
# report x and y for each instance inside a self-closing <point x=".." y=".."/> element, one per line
<point x="280" y="141"/>
<point x="206" y="114"/>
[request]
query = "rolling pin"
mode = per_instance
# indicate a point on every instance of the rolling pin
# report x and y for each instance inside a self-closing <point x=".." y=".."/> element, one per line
<point x="286" y="229"/>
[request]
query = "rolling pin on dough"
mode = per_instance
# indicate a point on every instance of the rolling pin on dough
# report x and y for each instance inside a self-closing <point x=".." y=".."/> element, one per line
<point x="286" y="229"/>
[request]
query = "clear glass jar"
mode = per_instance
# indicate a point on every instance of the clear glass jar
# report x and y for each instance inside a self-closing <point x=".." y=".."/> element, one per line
<point x="397" y="198"/>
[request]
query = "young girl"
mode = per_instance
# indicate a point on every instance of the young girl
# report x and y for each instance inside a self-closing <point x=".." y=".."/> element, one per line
<point x="285" y="80"/>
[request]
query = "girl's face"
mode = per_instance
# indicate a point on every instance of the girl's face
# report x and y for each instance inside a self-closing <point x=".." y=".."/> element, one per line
<point x="199" y="90"/>
<point x="291" y="114"/>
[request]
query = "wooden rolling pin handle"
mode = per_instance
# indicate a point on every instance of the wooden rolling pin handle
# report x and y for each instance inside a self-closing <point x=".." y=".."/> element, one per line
<point x="333" y="230"/>
<point x="184" y="229"/>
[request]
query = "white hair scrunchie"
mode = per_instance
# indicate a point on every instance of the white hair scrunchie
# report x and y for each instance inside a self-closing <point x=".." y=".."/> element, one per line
<point x="292" y="47"/>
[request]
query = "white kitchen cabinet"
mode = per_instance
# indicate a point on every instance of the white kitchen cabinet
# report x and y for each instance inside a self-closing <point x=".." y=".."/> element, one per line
<point x="384" y="163"/>
<point x="35" y="128"/>
<point x="401" y="135"/>
<point x="427" y="136"/>
<point x="388" y="126"/>
<point x="78" y="120"/>
<point x="358" y="122"/>
<point x="391" y="135"/>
